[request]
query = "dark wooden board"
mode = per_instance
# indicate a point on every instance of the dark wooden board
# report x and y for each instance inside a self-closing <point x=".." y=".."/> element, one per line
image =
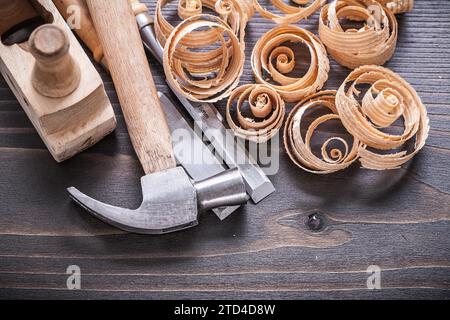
<point x="398" y="220"/>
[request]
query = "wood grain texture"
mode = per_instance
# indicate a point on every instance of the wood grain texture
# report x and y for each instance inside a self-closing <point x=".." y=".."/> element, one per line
<point x="399" y="220"/>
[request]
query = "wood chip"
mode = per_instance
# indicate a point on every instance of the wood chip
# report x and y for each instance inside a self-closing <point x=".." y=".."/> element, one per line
<point x="267" y="110"/>
<point x="272" y="47"/>
<point x="373" y="43"/>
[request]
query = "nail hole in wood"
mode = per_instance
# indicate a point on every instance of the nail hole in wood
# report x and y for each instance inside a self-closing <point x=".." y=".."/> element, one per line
<point x="315" y="222"/>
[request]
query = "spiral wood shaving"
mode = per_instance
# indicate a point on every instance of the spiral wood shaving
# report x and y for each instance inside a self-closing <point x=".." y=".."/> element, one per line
<point x="267" y="109"/>
<point x="204" y="54"/>
<point x="388" y="99"/>
<point x="189" y="8"/>
<point x="366" y="117"/>
<point x="299" y="148"/>
<point x="374" y="43"/>
<point x="236" y="13"/>
<point x="208" y="74"/>
<point x="292" y="14"/>
<point x="271" y="47"/>
<point x="398" y="6"/>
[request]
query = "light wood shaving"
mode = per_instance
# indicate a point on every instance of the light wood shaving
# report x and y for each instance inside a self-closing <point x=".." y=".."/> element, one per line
<point x="236" y="13"/>
<point x="271" y="47"/>
<point x="204" y="54"/>
<point x="198" y="69"/>
<point x="267" y="109"/>
<point x="398" y="6"/>
<point x="374" y="43"/>
<point x="299" y="148"/>
<point x="388" y="99"/>
<point x="292" y="14"/>
<point x="189" y="8"/>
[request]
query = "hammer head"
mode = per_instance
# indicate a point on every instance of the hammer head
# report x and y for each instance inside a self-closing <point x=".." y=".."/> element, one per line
<point x="171" y="201"/>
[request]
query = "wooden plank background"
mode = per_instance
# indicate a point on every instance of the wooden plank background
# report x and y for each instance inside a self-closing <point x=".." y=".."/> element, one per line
<point x="398" y="220"/>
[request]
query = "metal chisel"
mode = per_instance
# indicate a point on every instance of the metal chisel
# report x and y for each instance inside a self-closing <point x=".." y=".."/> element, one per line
<point x="190" y="151"/>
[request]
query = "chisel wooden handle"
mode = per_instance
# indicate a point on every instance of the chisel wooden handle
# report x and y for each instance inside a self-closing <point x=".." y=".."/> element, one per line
<point x="86" y="32"/>
<point x="138" y="7"/>
<point x="118" y="33"/>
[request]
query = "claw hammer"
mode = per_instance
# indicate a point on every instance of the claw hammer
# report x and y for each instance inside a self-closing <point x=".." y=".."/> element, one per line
<point x="171" y="201"/>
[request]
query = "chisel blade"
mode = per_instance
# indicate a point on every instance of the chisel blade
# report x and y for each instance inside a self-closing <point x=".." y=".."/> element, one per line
<point x="191" y="152"/>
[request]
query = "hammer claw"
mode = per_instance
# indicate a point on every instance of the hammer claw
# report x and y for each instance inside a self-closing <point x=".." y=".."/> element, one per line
<point x="171" y="201"/>
<point x="136" y="221"/>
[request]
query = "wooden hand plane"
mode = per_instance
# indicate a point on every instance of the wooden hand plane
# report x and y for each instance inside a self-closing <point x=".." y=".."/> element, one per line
<point x="52" y="77"/>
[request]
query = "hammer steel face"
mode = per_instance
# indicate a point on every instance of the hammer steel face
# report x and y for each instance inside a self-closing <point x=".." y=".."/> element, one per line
<point x="171" y="201"/>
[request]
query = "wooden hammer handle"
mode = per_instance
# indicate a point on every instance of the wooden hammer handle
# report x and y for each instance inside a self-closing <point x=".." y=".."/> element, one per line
<point x="118" y="33"/>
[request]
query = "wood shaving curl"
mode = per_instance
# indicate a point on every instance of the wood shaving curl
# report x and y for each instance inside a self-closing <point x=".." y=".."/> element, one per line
<point x="266" y="106"/>
<point x="299" y="148"/>
<point x="388" y="99"/>
<point x="398" y="6"/>
<point x="271" y="47"/>
<point x="236" y="13"/>
<point x="208" y="74"/>
<point x="374" y="43"/>
<point x="204" y="55"/>
<point x="293" y="14"/>
<point x="366" y="117"/>
<point x="189" y="8"/>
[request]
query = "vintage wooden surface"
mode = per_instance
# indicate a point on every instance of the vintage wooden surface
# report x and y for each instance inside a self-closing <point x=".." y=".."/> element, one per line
<point x="398" y="220"/>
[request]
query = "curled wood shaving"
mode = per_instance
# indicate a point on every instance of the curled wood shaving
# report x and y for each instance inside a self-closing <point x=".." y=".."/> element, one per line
<point x="374" y="43"/>
<point x="292" y="14"/>
<point x="398" y="6"/>
<point x="388" y="99"/>
<point x="267" y="109"/>
<point x="189" y="8"/>
<point x="299" y="148"/>
<point x="196" y="69"/>
<point x="203" y="59"/>
<point x="235" y="12"/>
<point x="271" y="48"/>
